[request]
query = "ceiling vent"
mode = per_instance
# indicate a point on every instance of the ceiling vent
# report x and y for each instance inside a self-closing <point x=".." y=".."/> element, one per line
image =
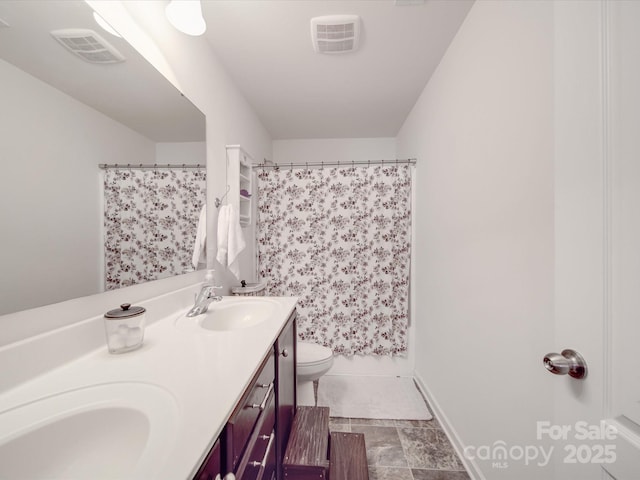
<point x="335" y="33"/>
<point x="88" y="45"/>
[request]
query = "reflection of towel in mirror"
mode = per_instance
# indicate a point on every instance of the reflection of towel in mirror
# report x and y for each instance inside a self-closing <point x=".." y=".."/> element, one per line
<point x="199" y="247"/>
<point x="230" y="239"/>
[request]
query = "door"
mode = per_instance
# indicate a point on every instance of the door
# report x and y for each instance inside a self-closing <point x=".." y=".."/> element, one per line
<point x="597" y="225"/>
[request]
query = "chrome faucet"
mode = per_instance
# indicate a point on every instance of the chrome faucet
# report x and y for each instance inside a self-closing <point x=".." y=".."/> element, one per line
<point x="204" y="298"/>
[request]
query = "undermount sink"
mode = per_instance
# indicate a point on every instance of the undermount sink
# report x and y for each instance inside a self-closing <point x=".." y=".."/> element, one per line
<point x="117" y="430"/>
<point x="236" y="315"/>
<point x="231" y="314"/>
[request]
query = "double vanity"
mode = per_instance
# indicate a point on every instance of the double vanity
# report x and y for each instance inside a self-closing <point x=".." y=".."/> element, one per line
<point x="204" y="396"/>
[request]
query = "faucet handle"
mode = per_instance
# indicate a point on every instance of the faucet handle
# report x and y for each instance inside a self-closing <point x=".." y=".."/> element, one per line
<point x="211" y="290"/>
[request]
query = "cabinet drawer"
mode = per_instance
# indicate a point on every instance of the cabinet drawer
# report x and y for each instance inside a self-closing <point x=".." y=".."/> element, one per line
<point x="261" y="460"/>
<point x="244" y="418"/>
<point x="265" y="439"/>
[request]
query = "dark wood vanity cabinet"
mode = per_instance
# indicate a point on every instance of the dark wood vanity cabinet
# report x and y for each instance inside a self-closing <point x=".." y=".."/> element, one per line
<point x="211" y="469"/>
<point x="254" y="440"/>
<point x="286" y="355"/>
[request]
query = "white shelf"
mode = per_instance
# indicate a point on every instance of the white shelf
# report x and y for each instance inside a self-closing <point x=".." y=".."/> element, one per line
<point x="239" y="177"/>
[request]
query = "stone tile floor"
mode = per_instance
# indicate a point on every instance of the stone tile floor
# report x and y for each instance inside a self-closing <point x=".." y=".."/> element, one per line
<point x="405" y="449"/>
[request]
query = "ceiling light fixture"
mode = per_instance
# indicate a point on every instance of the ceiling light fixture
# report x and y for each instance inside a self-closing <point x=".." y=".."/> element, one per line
<point x="186" y="16"/>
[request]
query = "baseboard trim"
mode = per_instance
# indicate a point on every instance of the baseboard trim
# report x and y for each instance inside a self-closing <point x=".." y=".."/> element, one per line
<point x="472" y="468"/>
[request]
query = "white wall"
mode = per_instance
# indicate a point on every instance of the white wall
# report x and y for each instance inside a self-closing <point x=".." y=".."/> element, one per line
<point x="333" y="149"/>
<point x="482" y="131"/>
<point x="181" y="152"/>
<point x="346" y="150"/>
<point x="50" y="148"/>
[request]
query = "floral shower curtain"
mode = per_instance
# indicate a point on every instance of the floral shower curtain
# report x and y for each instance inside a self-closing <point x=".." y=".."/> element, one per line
<point x="150" y="222"/>
<point x="339" y="239"/>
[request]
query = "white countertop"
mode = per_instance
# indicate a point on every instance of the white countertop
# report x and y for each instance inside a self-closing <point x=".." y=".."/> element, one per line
<point x="188" y="377"/>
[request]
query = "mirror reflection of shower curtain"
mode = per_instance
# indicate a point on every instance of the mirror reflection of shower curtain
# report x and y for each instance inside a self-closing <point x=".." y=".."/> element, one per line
<point x="339" y="239"/>
<point x="150" y="223"/>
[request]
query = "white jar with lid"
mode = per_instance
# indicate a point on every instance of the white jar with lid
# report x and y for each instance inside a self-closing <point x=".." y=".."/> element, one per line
<point x="124" y="328"/>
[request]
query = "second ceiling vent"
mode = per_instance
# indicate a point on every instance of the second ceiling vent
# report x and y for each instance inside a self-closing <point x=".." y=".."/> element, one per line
<point x="335" y="33"/>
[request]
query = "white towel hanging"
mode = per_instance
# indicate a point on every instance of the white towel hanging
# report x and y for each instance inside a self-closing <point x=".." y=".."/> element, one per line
<point x="230" y="239"/>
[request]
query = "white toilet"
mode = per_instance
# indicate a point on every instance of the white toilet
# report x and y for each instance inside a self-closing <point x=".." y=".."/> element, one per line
<point x="313" y="361"/>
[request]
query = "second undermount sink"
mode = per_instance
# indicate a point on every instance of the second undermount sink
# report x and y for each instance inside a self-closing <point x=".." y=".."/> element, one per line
<point x="117" y="430"/>
<point x="235" y="315"/>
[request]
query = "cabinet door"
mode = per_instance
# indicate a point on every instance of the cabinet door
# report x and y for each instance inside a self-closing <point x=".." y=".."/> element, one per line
<point x="285" y="388"/>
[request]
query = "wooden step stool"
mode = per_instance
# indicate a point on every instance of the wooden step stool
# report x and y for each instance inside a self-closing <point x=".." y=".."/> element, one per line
<point x="348" y="458"/>
<point x="306" y="455"/>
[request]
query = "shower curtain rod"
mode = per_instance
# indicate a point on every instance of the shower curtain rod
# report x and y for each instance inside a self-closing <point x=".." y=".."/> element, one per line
<point x="154" y="166"/>
<point x="353" y="163"/>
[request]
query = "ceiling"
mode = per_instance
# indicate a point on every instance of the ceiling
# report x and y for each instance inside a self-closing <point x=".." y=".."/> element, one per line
<point x="133" y="92"/>
<point x="265" y="45"/>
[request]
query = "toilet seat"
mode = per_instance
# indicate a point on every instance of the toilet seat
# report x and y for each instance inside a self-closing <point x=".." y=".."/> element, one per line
<point x="312" y="353"/>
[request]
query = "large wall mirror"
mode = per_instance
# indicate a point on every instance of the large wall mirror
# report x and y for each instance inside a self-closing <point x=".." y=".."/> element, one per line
<point x="62" y="116"/>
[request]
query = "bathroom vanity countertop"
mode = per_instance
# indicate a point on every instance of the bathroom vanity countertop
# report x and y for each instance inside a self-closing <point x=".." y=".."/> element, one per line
<point x="196" y="375"/>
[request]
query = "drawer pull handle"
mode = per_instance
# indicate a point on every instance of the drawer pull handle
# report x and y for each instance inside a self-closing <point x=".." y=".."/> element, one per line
<point x="266" y="453"/>
<point x="264" y="400"/>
